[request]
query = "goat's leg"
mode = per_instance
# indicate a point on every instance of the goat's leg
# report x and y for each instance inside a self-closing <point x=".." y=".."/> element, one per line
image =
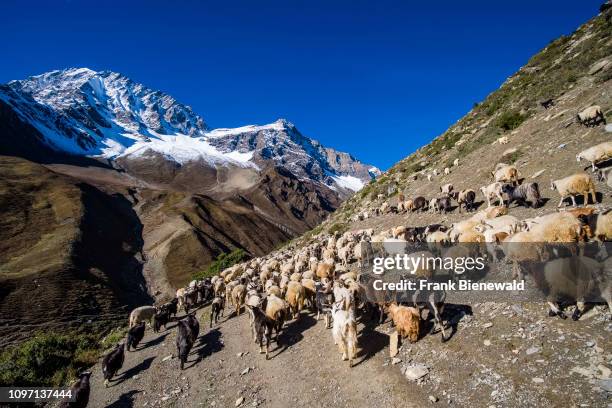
<point x="561" y="202"/>
<point x="578" y="311"/>
<point x="554" y="310"/>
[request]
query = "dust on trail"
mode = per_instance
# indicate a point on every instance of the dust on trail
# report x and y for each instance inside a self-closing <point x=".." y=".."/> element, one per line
<point x="224" y="365"/>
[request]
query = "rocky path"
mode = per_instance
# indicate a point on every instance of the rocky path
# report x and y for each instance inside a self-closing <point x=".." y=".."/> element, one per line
<point x="225" y="370"/>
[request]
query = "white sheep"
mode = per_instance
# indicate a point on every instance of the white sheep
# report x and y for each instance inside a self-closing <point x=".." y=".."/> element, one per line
<point x="447" y="188"/>
<point x="591" y="116"/>
<point x="447" y="171"/>
<point x="503" y="140"/>
<point x="456" y="162"/>
<point x="345" y="331"/>
<point x="577" y="184"/>
<point x="142" y="314"/>
<point x="596" y="154"/>
<point x="493" y="191"/>
<point x="506" y="173"/>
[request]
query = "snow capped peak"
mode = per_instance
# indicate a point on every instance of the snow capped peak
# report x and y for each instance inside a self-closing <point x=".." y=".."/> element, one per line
<point x="106" y="114"/>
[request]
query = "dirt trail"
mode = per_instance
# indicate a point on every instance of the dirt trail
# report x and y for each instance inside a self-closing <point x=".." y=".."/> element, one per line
<point x="305" y="370"/>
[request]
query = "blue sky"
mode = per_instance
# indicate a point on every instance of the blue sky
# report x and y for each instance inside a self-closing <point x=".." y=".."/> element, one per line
<point x="375" y="78"/>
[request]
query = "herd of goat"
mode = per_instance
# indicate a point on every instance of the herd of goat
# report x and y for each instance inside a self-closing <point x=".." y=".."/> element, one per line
<point x="322" y="277"/>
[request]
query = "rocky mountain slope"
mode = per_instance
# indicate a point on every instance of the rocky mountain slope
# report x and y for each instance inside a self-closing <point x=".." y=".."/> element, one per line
<point x="574" y="71"/>
<point x="145" y="175"/>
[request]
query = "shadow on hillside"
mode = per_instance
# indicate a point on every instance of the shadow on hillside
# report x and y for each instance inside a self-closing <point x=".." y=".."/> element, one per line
<point x="153" y="342"/>
<point x="369" y="343"/>
<point x="208" y="344"/>
<point x="142" y="366"/>
<point x="451" y="315"/>
<point x="125" y="400"/>
<point x="293" y="333"/>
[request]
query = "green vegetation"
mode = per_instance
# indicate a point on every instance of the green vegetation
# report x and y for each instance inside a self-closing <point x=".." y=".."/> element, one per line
<point x="223" y="261"/>
<point x="338" y="227"/>
<point x="53" y="359"/>
<point x="510" y="120"/>
<point x="512" y="157"/>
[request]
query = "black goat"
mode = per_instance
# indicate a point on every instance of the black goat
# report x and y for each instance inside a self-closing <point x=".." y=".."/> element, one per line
<point x="216" y="308"/>
<point x="80" y="392"/>
<point x="134" y="336"/>
<point x="419" y="204"/>
<point x="527" y="194"/>
<point x="194" y="325"/>
<point x="324" y="299"/>
<point x="171" y="307"/>
<point x="442" y="204"/>
<point x="547" y="104"/>
<point x="161" y="318"/>
<point x="184" y="341"/>
<point x="262" y="327"/>
<point x="112" y="363"/>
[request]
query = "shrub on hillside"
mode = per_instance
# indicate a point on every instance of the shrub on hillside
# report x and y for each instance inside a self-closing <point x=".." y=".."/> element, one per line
<point x="510" y="120"/>
<point x="223" y="261"/>
<point x="48" y="359"/>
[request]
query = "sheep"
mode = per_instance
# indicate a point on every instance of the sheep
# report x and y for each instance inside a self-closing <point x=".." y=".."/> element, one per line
<point x="429" y="177"/>
<point x="493" y="191"/>
<point x="506" y="173"/>
<point x="547" y="104"/>
<point x="384" y="207"/>
<point x="599" y="226"/>
<point x="575" y="277"/>
<point x="419" y="204"/>
<point x="184" y="341"/>
<point x="216" y="308"/>
<point x="140" y="314"/>
<point x="310" y="290"/>
<point x="134" y="336"/>
<point x="79" y="392"/>
<point x="596" y="154"/>
<point x="442" y="204"/>
<point x="456" y="162"/>
<point x="435" y="172"/>
<point x="295" y="297"/>
<point x="432" y="205"/>
<point x="112" y="362"/>
<point x="237" y="297"/>
<point x="296" y="277"/>
<point x="262" y="327"/>
<point x="406" y="321"/>
<point x="219" y="287"/>
<point x="506" y="223"/>
<point x="447" y="171"/>
<point x="527" y="194"/>
<point x="503" y="140"/>
<point x="591" y="116"/>
<point x="325" y="270"/>
<point x="604" y="175"/>
<point x="344" y="331"/>
<point x="462" y="226"/>
<point x="577" y="184"/>
<point x="276" y="309"/>
<point x="490" y="213"/>
<point x="274" y="290"/>
<point x="447" y="188"/>
<point x="466" y="198"/>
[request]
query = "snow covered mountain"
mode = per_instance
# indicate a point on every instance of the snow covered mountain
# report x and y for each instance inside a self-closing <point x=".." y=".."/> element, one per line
<point x="107" y="115"/>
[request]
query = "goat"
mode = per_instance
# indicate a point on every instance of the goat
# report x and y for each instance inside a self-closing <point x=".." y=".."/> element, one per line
<point x="112" y="363"/>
